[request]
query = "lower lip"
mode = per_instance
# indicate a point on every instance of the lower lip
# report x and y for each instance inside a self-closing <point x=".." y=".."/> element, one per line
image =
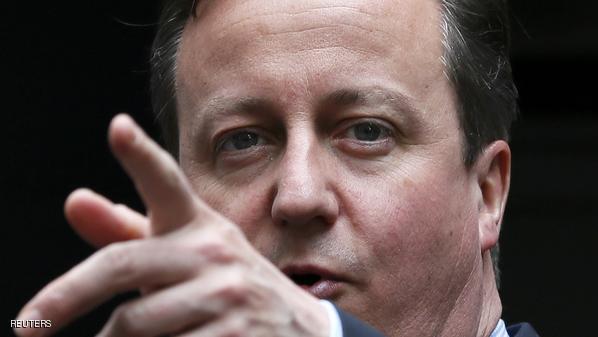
<point x="323" y="289"/>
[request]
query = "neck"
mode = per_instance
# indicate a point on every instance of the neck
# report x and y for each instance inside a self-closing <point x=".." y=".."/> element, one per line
<point x="478" y="304"/>
<point x="491" y="305"/>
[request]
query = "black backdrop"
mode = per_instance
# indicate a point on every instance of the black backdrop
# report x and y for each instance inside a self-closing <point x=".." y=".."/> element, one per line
<point x="69" y="66"/>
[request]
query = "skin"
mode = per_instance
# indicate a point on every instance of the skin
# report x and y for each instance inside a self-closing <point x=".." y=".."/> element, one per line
<point x="400" y="219"/>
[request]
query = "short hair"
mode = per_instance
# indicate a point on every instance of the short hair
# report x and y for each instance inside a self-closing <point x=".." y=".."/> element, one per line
<point x="476" y="59"/>
<point x="476" y="39"/>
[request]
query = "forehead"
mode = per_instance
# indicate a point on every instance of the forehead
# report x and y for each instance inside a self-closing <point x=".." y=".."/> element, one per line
<point x="257" y="47"/>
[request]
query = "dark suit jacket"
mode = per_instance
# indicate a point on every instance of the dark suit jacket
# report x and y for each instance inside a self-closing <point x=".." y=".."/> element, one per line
<point x="352" y="327"/>
<point x="521" y="330"/>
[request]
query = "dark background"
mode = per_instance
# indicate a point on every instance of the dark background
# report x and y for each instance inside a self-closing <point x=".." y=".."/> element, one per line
<point x="69" y="66"/>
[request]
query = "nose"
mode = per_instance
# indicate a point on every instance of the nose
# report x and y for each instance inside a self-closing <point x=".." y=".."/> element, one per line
<point x="303" y="191"/>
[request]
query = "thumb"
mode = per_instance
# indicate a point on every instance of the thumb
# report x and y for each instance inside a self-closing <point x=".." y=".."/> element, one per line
<point x="101" y="222"/>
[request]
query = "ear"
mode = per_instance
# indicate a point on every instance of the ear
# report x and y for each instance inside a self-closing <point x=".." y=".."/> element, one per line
<point x="493" y="170"/>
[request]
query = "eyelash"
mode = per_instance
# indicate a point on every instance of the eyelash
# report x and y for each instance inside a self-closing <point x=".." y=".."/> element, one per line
<point x="228" y="136"/>
<point x="386" y="130"/>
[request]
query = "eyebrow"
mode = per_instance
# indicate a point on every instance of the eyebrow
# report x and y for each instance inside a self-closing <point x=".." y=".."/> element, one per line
<point x="223" y="106"/>
<point x="373" y="96"/>
<point x="402" y="105"/>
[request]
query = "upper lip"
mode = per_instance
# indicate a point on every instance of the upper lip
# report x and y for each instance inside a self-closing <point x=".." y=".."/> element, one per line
<point x="310" y="269"/>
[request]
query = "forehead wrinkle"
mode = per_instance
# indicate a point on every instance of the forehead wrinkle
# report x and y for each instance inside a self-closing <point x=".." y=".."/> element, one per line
<point x="344" y="31"/>
<point x="287" y="12"/>
<point x="327" y="27"/>
<point x="327" y="21"/>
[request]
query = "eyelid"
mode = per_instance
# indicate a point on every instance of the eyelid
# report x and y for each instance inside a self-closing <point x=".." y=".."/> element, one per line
<point x="387" y="127"/>
<point x="221" y="137"/>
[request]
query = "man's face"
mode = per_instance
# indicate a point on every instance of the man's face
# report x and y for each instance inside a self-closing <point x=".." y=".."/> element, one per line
<point x="329" y="134"/>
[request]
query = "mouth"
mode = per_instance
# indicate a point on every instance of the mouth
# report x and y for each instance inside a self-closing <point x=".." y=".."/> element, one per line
<point x="319" y="282"/>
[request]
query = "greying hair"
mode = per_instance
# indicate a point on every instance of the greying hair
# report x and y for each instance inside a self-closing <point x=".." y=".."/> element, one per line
<point x="476" y="59"/>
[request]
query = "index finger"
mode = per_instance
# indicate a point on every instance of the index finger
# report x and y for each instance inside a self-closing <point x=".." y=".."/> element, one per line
<point x="157" y="177"/>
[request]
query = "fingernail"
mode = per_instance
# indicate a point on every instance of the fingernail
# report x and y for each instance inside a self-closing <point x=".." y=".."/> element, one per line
<point x="24" y="324"/>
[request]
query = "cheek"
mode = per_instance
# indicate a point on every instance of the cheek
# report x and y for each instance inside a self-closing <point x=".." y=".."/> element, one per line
<point x="417" y="230"/>
<point x="248" y="206"/>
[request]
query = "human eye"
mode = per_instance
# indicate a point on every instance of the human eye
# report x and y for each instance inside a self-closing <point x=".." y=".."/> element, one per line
<point x="242" y="140"/>
<point x="368" y="131"/>
<point x="369" y="137"/>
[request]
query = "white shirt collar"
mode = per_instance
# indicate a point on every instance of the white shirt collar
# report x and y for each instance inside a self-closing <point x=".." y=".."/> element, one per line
<point x="500" y="330"/>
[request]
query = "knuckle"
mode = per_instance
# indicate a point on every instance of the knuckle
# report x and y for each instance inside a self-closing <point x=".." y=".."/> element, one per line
<point x="126" y="321"/>
<point x="214" y="249"/>
<point x="235" y="327"/>
<point x="116" y="259"/>
<point x="231" y="234"/>
<point x="235" y="290"/>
